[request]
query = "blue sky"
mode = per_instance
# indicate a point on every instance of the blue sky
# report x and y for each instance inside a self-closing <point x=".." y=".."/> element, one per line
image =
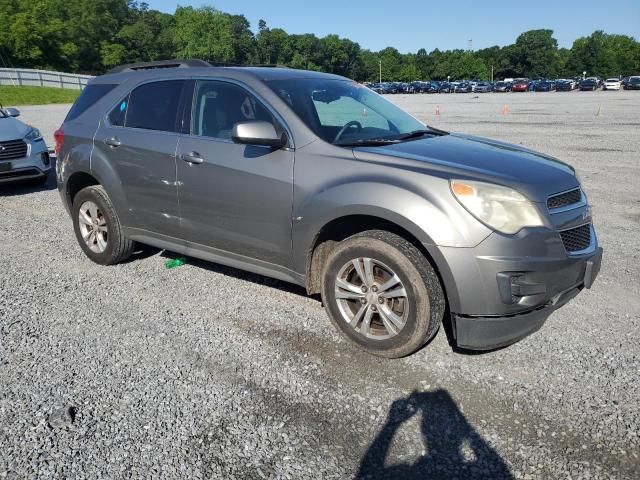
<point x="443" y="24"/>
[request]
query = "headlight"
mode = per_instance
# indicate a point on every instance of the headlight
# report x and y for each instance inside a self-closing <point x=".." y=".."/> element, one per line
<point x="33" y="135"/>
<point x="501" y="208"/>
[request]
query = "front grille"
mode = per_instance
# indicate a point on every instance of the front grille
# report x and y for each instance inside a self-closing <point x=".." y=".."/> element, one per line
<point x="564" y="199"/>
<point x="576" y="239"/>
<point x="12" y="150"/>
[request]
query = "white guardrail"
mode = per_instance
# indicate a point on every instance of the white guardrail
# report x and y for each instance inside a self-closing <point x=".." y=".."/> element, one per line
<point x="42" y="78"/>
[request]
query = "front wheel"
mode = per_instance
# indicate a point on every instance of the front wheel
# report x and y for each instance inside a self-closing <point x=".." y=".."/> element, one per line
<point x="382" y="293"/>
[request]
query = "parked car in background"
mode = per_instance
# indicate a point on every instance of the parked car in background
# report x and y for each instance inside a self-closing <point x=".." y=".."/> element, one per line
<point x="484" y="87"/>
<point x="462" y="87"/>
<point x="502" y="87"/>
<point x="23" y="152"/>
<point x="545" y="86"/>
<point x="277" y="172"/>
<point x="633" y="83"/>
<point x="520" y="86"/>
<point x="417" y="87"/>
<point x="590" y="83"/>
<point x="433" y="87"/>
<point x="445" y="87"/>
<point x="566" y="85"/>
<point x="612" y="84"/>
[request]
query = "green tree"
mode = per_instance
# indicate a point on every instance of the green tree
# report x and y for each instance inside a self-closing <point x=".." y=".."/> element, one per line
<point x="243" y="42"/>
<point x="535" y="54"/>
<point x="203" y="33"/>
<point x="146" y="36"/>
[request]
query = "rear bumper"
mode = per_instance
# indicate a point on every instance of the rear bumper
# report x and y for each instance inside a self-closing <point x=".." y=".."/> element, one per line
<point x="489" y="332"/>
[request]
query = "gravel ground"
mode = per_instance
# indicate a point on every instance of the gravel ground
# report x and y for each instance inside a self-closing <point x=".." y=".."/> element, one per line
<point x="208" y="372"/>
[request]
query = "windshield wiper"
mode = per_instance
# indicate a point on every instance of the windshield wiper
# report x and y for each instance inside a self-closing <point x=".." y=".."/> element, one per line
<point x="414" y="134"/>
<point x="373" y="142"/>
<point x="367" y="142"/>
<point x="422" y="132"/>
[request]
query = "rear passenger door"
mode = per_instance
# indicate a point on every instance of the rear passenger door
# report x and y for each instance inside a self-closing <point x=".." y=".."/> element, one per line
<point x="236" y="198"/>
<point x="139" y="138"/>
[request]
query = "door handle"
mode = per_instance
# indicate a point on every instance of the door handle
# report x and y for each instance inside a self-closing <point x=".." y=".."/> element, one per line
<point x="113" y="142"/>
<point x="192" y="157"/>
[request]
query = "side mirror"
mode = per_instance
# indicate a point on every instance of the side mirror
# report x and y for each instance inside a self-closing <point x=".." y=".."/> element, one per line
<point x="257" y="133"/>
<point x="12" y="112"/>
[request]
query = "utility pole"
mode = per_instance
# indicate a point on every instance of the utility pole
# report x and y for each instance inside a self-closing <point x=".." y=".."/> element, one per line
<point x="491" y="73"/>
<point x="470" y="44"/>
<point x="380" y="65"/>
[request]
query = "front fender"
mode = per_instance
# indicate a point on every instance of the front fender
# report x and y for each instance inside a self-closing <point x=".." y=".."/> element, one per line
<point x="433" y="224"/>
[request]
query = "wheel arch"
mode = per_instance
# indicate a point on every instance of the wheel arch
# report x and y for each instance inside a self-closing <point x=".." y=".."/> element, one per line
<point x="345" y="226"/>
<point x="76" y="182"/>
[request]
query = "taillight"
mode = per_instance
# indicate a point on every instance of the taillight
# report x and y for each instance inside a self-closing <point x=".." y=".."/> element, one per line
<point x="58" y="135"/>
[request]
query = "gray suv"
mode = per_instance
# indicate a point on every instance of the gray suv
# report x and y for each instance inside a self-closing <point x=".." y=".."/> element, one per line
<point x="314" y="179"/>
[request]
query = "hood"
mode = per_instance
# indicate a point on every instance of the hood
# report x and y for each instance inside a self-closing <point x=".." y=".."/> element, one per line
<point x="12" y="129"/>
<point x="459" y="156"/>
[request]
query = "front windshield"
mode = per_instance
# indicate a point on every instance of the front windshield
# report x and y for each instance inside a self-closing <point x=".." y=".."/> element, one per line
<point x="343" y="112"/>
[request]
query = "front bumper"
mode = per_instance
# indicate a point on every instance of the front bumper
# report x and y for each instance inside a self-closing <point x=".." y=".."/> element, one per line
<point x="506" y="287"/>
<point x="35" y="165"/>
<point x="486" y="333"/>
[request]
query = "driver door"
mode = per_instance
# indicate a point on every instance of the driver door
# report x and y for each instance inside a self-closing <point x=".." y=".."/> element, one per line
<point x="234" y="198"/>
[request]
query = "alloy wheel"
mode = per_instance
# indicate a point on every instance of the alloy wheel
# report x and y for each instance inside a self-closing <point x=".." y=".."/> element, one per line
<point x="93" y="227"/>
<point x="371" y="298"/>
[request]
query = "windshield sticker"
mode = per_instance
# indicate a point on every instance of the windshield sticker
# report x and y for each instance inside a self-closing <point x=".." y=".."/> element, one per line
<point x="123" y="105"/>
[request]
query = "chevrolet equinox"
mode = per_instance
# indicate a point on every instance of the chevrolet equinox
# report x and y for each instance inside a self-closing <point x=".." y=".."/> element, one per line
<point x="315" y="179"/>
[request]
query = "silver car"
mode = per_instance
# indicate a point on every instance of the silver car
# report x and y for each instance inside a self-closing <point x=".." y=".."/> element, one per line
<point x="23" y="152"/>
<point x="315" y="179"/>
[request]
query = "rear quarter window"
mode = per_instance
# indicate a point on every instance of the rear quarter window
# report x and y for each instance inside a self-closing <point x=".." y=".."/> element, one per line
<point x="90" y="95"/>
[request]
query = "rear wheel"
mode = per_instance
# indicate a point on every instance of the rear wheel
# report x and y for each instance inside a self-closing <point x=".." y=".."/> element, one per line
<point x="97" y="227"/>
<point x="382" y="293"/>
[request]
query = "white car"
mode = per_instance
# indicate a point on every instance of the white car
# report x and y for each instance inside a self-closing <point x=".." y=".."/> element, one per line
<point x="612" y="84"/>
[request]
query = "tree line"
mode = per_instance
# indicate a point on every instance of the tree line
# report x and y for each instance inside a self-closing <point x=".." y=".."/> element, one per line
<point x="90" y="36"/>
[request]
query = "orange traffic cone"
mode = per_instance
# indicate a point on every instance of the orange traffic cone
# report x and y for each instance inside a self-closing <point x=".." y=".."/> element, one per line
<point x="505" y="110"/>
<point x="438" y="111"/>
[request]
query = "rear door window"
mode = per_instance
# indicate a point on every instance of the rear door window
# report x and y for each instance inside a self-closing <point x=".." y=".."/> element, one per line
<point x="90" y="95"/>
<point x="152" y="106"/>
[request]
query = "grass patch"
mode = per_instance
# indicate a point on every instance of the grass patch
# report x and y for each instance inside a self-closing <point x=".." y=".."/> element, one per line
<point x="11" y="96"/>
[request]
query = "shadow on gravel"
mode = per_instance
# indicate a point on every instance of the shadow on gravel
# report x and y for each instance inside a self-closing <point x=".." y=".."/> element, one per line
<point x="453" y="447"/>
<point x="24" y="187"/>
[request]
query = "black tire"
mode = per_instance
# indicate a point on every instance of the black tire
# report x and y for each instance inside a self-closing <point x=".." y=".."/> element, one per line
<point x="425" y="297"/>
<point x="118" y="247"/>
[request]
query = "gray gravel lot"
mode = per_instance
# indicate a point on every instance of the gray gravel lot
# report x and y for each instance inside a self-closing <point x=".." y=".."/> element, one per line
<point x="208" y="372"/>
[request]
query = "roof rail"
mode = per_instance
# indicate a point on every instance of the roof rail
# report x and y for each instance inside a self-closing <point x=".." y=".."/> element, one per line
<point x="131" y="67"/>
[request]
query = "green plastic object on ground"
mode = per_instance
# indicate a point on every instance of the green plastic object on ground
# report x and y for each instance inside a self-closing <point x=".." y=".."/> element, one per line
<point x="175" y="262"/>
